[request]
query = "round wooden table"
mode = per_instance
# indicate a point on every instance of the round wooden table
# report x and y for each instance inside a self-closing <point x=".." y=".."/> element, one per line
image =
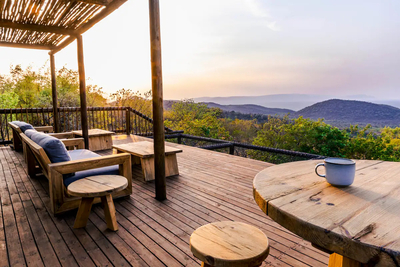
<point x="359" y="224"/>
<point x="97" y="186"/>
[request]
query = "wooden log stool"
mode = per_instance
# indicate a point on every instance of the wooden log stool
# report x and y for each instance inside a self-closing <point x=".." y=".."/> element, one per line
<point x="223" y="244"/>
<point x="97" y="186"/>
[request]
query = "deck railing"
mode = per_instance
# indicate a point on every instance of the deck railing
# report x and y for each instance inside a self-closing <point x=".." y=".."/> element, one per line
<point x="116" y="119"/>
<point x="269" y="154"/>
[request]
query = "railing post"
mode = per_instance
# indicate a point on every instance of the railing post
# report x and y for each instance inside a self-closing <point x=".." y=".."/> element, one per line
<point x="232" y="149"/>
<point x="128" y="121"/>
<point x="180" y="139"/>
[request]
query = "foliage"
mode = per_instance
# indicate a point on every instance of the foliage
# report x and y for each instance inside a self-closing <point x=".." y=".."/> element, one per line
<point x="259" y="118"/>
<point x="243" y="131"/>
<point x="196" y="119"/>
<point x="136" y="100"/>
<point x="305" y="135"/>
<point x="317" y="137"/>
<point x="8" y="100"/>
<point x="33" y="88"/>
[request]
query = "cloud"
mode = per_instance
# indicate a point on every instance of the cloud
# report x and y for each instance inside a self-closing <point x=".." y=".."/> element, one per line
<point x="272" y="26"/>
<point x="259" y="11"/>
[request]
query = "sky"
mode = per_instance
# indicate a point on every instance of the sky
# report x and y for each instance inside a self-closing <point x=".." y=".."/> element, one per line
<point x="242" y="47"/>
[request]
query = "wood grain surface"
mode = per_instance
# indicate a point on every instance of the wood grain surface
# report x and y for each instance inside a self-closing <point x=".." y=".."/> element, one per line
<point x="229" y="244"/>
<point x="144" y="149"/>
<point x="361" y="222"/>
<point x="94" y="132"/>
<point x="97" y="186"/>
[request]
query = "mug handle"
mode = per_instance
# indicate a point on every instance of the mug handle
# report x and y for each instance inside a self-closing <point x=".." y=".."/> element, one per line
<point x="316" y="170"/>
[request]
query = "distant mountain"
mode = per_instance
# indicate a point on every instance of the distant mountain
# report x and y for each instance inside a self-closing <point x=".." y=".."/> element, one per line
<point x="343" y="112"/>
<point x="250" y="109"/>
<point x="286" y="101"/>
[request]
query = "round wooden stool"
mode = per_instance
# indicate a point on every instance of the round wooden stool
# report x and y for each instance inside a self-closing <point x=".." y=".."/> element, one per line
<point x="97" y="186"/>
<point x="223" y="244"/>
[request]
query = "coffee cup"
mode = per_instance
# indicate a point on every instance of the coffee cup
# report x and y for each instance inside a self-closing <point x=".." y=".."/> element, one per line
<point x="338" y="171"/>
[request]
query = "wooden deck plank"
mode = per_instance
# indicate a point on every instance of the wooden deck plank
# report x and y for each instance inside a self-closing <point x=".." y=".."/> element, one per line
<point x="211" y="187"/>
<point x="46" y="251"/>
<point x="59" y="238"/>
<point x="14" y="247"/>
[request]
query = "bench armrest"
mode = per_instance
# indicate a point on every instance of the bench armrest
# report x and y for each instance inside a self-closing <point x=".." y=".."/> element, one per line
<point x="62" y="135"/>
<point x="92" y="163"/>
<point x="78" y="142"/>
<point x="47" y="129"/>
<point x="56" y="171"/>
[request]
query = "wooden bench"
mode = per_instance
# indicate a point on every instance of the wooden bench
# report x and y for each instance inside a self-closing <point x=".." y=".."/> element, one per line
<point x="233" y="244"/>
<point x="61" y="201"/>
<point x="143" y="154"/>
<point x="97" y="186"/>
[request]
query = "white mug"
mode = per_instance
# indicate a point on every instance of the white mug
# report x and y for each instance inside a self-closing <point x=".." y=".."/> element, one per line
<point x="338" y="171"/>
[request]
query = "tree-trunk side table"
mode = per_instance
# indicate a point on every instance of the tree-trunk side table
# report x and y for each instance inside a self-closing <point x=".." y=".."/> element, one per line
<point x="97" y="186"/>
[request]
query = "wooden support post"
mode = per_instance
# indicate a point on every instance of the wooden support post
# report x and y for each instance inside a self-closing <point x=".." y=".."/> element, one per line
<point x="157" y="90"/>
<point x="56" y="118"/>
<point x="128" y="121"/>
<point x="82" y="91"/>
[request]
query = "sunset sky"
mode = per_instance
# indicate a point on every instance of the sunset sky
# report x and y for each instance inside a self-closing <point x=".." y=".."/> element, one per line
<point x="242" y="47"/>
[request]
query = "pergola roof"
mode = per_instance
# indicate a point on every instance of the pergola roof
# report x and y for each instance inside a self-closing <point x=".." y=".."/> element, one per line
<point x="49" y="24"/>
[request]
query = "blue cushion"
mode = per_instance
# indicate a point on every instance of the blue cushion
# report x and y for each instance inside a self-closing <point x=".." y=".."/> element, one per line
<point x="30" y="132"/>
<point x="23" y="125"/>
<point x="54" y="148"/>
<point x="87" y="154"/>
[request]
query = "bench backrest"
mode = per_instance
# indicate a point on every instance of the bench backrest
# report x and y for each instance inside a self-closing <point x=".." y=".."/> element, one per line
<point x="39" y="154"/>
<point x="15" y="127"/>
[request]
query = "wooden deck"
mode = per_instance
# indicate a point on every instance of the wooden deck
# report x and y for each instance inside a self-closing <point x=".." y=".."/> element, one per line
<point x="211" y="187"/>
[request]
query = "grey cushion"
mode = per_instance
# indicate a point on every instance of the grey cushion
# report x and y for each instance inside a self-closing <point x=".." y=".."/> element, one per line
<point x="54" y="148"/>
<point x="30" y="132"/>
<point x="23" y="125"/>
<point x="87" y="154"/>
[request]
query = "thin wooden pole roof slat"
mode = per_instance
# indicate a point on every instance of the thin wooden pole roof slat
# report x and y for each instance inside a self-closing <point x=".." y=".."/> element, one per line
<point x="49" y="24"/>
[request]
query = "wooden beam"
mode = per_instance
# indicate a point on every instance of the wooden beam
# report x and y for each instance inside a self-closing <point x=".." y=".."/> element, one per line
<point x="35" y="27"/>
<point x="101" y="15"/>
<point x="29" y="46"/>
<point x="96" y="2"/>
<point x="157" y="90"/>
<point x="54" y="94"/>
<point x="82" y="91"/>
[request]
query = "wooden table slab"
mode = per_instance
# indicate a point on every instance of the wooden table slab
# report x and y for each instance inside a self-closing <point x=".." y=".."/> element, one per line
<point x="143" y="154"/>
<point x="360" y="222"/>
<point x="98" y="139"/>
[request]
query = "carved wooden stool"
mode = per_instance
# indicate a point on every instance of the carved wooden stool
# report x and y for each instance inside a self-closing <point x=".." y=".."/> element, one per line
<point x="97" y="186"/>
<point x="223" y="244"/>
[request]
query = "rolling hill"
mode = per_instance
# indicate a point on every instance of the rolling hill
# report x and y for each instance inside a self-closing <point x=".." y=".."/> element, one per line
<point x="250" y="109"/>
<point x="344" y="112"/>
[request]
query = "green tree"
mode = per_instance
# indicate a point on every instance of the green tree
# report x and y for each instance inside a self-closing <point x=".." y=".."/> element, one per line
<point x="8" y="100"/>
<point x="136" y="100"/>
<point x="305" y="135"/>
<point x="243" y="131"/>
<point x="196" y="119"/>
